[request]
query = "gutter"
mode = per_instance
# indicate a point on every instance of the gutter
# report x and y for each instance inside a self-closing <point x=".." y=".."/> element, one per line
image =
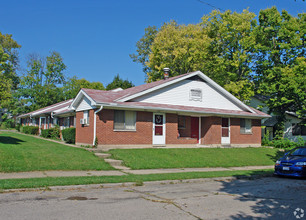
<point x="95" y="124"/>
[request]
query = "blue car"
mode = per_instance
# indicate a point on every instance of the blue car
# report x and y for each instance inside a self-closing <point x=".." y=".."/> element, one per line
<point x="293" y="163"/>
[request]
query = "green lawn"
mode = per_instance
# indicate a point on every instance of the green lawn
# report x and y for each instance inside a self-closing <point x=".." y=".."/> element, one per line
<point x="20" y="152"/>
<point x="195" y="157"/>
<point x="138" y="179"/>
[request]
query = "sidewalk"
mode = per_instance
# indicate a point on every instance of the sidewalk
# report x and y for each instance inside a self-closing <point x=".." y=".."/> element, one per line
<point x="41" y="174"/>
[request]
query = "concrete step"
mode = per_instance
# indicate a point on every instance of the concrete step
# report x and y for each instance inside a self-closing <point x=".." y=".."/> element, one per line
<point x="102" y="155"/>
<point x="113" y="162"/>
<point x="121" y="167"/>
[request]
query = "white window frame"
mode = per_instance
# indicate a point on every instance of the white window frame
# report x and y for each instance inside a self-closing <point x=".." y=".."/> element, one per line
<point x="86" y="116"/>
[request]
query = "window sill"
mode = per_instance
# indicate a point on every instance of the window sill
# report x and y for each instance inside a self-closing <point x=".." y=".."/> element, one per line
<point x="123" y="130"/>
<point x="247" y="133"/>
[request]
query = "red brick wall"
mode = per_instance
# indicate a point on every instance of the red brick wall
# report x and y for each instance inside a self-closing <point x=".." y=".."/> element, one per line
<point x="186" y="132"/>
<point x="237" y="138"/>
<point x="106" y="134"/>
<point x="211" y="130"/>
<point x="84" y="135"/>
<point x="172" y="131"/>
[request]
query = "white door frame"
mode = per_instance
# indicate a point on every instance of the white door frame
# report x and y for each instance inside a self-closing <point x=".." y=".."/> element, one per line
<point x="226" y="140"/>
<point x="159" y="139"/>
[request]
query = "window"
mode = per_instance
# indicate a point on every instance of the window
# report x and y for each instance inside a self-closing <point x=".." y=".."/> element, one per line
<point x="298" y="129"/>
<point x="86" y="116"/>
<point x="181" y="122"/>
<point x="195" y="95"/>
<point x="245" y="126"/>
<point x="125" y="120"/>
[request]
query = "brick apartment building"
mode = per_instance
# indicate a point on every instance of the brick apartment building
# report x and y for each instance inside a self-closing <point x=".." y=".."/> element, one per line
<point x="189" y="109"/>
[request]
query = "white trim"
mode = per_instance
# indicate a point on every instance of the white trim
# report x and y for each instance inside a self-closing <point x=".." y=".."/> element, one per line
<point x="164" y="129"/>
<point x="200" y="74"/>
<point x="146" y="108"/>
<point x="200" y="130"/>
<point x="79" y="97"/>
<point x="226" y="140"/>
<point x="95" y="124"/>
<point x="126" y="98"/>
<point x="38" y="111"/>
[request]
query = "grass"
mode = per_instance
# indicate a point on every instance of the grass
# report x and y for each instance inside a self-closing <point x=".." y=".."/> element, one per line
<point x="195" y="157"/>
<point x="20" y="153"/>
<point x="138" y="179"/>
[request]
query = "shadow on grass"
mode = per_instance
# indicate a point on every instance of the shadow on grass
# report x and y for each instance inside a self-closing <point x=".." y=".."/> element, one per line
<point x="9" y="140"/>
<point x="269" y="197"/>
<point x="277" y="155"/>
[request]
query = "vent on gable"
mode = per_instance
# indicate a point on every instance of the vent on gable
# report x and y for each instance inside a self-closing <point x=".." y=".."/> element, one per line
<point x="195" y="95"/>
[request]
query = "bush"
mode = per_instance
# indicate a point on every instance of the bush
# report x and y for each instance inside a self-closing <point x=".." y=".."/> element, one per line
<point x="51" y="133"/>
<point x="18" y="127"/>
<point x="284" y="143"/>
<point x="30" y="130"/>
<point x="69" y="135"/>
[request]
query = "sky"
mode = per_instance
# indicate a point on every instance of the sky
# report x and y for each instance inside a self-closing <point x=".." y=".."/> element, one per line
<point x="95" y="38"/>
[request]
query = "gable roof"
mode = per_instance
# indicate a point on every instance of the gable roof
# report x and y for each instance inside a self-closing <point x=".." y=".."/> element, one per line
<point x="123" y="98"/>
<point x="60" y="106"/>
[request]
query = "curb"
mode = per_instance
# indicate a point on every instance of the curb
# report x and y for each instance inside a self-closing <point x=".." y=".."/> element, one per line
<point x="134" y="184"/>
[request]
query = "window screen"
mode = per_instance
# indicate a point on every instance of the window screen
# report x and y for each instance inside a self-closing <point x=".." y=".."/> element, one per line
<point x="245" y="126"/>
<point x="124" y="120"/>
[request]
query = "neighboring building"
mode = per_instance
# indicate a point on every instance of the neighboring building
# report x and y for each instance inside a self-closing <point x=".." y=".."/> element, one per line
<point x="48" y="117"/>
<point x="294" y="126"/>
<point x="189" y="109"/>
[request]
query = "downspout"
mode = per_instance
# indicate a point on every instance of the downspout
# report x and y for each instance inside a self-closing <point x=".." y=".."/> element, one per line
<point x="95" y="124"/>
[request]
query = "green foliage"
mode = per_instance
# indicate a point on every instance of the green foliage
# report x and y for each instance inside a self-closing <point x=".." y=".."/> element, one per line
<point x="53" y="133"/>
<point x="69" y="135"/>
<point x="30" y="130"/>
<point x="7" y="122"/>
<point x="18" y="127"/>
<point x="280" y="62"/>
<point x="40" y="85"/>
<point x="119" y="83"/>
<point x="239" y="53"/>
<point x="282" y="143"/>
<point x="73" y="86"/>
<point x="8" y="66"/>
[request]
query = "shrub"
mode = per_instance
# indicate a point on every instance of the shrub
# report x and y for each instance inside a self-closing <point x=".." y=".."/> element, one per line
<point x="69" y="135"/>
<point x="18" y="127"/>
<point x="285" y="143"/>
<point x="30" y="130"/>
<point x="51" y="133"/>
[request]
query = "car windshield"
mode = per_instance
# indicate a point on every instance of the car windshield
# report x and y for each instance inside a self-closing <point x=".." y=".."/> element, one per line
<point x="298" y="152"/>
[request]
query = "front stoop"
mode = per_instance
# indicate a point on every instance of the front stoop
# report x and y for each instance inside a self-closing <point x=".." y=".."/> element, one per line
<point x="116" y="164"/>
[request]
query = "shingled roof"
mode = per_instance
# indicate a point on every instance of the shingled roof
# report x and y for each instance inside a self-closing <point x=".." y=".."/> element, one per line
<point x="114" y="98"/>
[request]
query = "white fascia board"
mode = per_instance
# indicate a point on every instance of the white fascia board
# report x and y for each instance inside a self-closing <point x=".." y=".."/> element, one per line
<point x="178" y="111"/>
<point x="38" y="112"/>
<point x="224" y="92"/>
<point x="124" y="99"/>
<point x="79" y="97"/>
<point x="200" y="74"/>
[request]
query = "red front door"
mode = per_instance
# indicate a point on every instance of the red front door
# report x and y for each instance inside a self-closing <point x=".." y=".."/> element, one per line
<point x="195" y="127"/>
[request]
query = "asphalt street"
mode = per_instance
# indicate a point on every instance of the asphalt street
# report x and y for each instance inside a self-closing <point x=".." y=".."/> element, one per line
<point x="263" y="198"/>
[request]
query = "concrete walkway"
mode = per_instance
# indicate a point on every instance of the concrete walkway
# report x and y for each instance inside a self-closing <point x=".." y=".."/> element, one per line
<point x="41" y="174"/>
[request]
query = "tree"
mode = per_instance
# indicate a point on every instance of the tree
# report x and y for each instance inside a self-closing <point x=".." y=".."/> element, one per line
<point x="143" y="48"/>
<point x="73" y="86"/>
<point x="221" y="46"/>
<point x="8" y="65"/>
<point x="119" y="83"/>
<point x="280" y="62"/>
<point x="41" y="85"/>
